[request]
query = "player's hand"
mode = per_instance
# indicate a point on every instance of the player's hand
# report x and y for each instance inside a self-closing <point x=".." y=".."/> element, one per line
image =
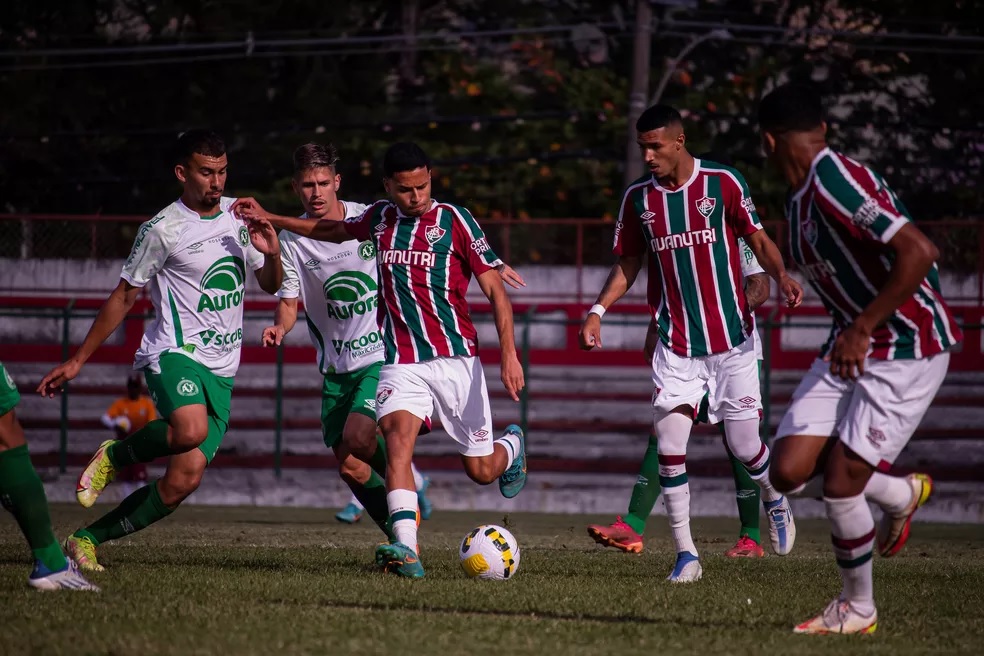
<point x="511" y="277"/>
<point x="512" y="376"/>
<point x="273" y="335"/>
<point x="791" y="290"/>
<point x="590" y="335"/>
<point x="248" y="208"/>
<point x="849" y="352"/>
<point x="57" y="377"/>
<point x="263" y="236"/>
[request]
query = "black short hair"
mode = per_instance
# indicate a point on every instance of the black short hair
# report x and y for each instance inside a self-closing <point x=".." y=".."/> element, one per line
<point x="658" y="116"/>
<point x="201" y="141"/>
<point x="791" y="107"/>
<point x="404" y="156"/>
<point x="315" y="156"/>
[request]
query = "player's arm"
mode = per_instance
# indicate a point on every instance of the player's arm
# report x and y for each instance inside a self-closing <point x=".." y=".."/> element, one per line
<point x="512" y="371"/>
<point x="649" y="347"/>
<point x="330" y="230"/>
<point x="110" y="316"/>
<point x="757" y="289"/>
<point x="620" y="280"/>
<point x="284" y="318"/>
<point x="768" y="255"/>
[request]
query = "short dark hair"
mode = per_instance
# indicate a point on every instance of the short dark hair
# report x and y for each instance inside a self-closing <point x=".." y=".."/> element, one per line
<point x="791" y="107"/>
<point x="658" y="116"/>
<point x="201" y="141"/>
<point x="315" y="156"/>
<point x="404" y="156"/>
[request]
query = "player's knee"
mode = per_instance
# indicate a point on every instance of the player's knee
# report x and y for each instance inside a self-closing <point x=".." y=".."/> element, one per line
<point x="188" y="435"/>
<point x="786" y="475"/>
<point x="353" y="470"/>
<point x="362" y="443"/>
<point x="175" y="487"/>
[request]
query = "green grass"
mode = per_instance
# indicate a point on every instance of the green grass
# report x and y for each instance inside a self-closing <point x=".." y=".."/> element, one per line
<point x="262" y="581"/>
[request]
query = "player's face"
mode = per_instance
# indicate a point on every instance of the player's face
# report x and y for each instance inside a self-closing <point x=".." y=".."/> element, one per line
<point x="661" y="149"/>
<point x="410" y="190"/>
<point x="204" y="178"/>
<point x="318" y="190"/>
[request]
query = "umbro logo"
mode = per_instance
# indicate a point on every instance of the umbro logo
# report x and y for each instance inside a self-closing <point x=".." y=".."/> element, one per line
<point x="645" y="216"/>
<point x="312" y="263"/>
<point x="747" y="402"/>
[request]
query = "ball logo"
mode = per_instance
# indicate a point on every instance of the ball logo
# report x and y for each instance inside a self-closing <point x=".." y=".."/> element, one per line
<point x="367" y="251"/>
<point x="383" y="394"/>
<point x="243" y="237"/>
<point x="705" y="206"/>
<point x="187" y="387"/>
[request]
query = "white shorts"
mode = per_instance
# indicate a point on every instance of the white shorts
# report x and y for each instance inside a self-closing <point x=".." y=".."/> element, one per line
<point x="875" y="415"/>
<point x="453" y="388"/>
<point x="730" y="380"/>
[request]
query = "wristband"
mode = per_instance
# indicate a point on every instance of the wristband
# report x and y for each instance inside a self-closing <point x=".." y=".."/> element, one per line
<point x="598" y="309"/>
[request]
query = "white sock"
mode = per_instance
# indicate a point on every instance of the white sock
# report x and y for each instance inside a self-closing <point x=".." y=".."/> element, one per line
<point x="853" y="534"/>
<point x="812" y="489"/>
<point x="673" y="432"/>
<point x="510" y="443"/>
<point x="892" y="493"/>
<point x="355" y="502"/>
<point x="403" y="515"/>
<point x="418" y="478"/>
<point x="744" y="441"/>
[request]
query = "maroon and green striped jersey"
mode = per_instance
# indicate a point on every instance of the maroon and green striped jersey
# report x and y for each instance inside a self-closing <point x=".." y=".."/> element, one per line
<point x="693" y="235"/>
<point x="841" y="221"/>
<point x="424" y="265"/>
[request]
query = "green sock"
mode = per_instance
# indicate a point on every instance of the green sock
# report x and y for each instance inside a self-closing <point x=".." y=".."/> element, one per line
<point x="378" y="460"/>
<point x="747" y="494"/>
<point x="22" y="493"/>
<point x="372" y="495"/>
<point x="137" y="511"/>
<point x="646" y="490"/>
<point x="143" y="446"/>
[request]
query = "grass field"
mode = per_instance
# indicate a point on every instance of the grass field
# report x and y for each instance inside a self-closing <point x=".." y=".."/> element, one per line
<point x="261" y="581"/>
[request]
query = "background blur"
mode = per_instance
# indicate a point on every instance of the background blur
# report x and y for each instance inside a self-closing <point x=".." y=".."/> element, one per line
<point x="525" y="107"/>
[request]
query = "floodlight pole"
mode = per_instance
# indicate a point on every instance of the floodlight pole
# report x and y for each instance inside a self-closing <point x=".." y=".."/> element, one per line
<point x="641" y="49"/>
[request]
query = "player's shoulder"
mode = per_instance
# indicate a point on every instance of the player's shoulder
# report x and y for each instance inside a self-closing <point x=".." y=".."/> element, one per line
<point x="167" y="224"/>
<point x="641" y="182"/>
<point x="459" y="211"/>
<point x="367" y="211"/>
<point x="831" y="166"/>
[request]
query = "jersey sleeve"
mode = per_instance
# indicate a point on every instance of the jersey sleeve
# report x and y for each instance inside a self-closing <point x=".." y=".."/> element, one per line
<point x="254" y="258"/>
<point x="360" y="227"/>
<point x="628" y="228"/>
<point x="470" y="242"/>
<point x="150" y="250"/>
<point x="848" y="192"/>
<point x="291" y="286"/>
<point x="739" y="209"/>
<point x="749" y="263"/>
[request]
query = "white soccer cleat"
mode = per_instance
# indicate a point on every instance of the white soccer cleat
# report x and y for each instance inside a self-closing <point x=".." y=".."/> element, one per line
<point x="69" y="578"/>
<point x="782" y="527"/>
<point x="686" y="570"/>
<point x="840" y="617"/>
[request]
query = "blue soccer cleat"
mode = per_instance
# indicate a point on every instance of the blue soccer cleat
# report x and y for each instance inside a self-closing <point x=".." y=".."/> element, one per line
<point x="350" y="514"/>
<point x="687" y="568"/>
<point x="782" y="527"/>
<point x="69" y="578"/>
<point x="513" y="479"/>
<point x="397" y="558"/>
<point x="425" y="505"/>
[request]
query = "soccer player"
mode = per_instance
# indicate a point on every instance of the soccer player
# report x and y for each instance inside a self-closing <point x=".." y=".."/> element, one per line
<point x="126" y="415"/>
<point x="626" y="534"/>
<point x="884" y="361"/>
<point x="426" y="253"/>
<point x="689" y="214"/>
<point x="22" y="493"/>
<point x="194" y="255"/>
<point x="352" y="512"/>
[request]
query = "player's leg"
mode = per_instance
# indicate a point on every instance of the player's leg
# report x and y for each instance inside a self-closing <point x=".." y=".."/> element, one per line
<point x="22" y="494"/>
<point x="179" y="384"/>
<point x="462" y="402"/>
<point x="366" y="485"/>
<point x="422" y="484"/>
<point x="352" y="512"/>
<point x="748" y="496"/>
<point x="625" y="534"/>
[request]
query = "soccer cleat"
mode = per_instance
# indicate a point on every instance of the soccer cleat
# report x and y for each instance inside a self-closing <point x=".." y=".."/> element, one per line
<point x="619" y="535"/>
<point x="425" y="505"/>
<point x="746" y="547"/>
<point x="69" y="578"/>
<point x="840" y="617"/>
<point x="83" y="552"/>
<point x="397" y="558"/>
<point x="96" y="476"/>
<point x="513" y="479"/>
<point x="350" y="514"/>
<point x="782" y="528"/>
<point x="893" y="530"/>
<point x="687" y="569"/>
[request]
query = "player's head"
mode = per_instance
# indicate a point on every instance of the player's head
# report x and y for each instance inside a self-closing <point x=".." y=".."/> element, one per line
<point x="199" y="158"/>
<point x="407" y="177"/>
<point x="316" y="179"/>
<point x="661" y="140"/>
<point x="133" y="386"/>
<point x="788" y="114"/>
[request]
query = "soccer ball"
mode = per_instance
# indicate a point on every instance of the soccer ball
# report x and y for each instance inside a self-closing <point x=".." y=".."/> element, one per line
<point x="489" y="552"/>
